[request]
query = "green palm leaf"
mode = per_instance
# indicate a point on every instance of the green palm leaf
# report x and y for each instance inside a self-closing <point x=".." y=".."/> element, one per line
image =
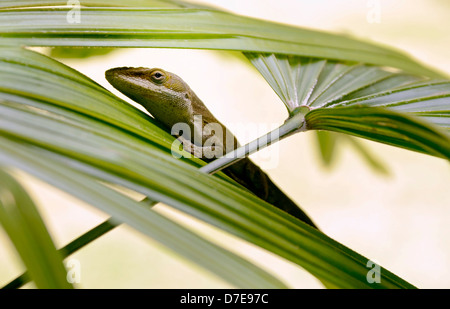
<point x="328" y="142"/>
<point x="363" y="100"/>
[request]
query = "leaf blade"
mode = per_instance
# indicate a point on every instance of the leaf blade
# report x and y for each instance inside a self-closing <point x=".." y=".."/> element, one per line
<point x="188" y="28"/>
<point x="26" y="229"/>
<point x="384" y="126"/>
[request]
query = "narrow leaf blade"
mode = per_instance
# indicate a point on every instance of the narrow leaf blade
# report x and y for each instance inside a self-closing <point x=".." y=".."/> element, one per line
<point x="184" y="26"/>
<point x="26" y="229"/>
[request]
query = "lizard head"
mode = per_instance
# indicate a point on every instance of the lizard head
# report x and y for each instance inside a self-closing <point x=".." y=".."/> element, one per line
<point x="165" y="95"/>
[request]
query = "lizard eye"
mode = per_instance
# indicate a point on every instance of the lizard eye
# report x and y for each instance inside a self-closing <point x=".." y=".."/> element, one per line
<point x="158" y="76"/>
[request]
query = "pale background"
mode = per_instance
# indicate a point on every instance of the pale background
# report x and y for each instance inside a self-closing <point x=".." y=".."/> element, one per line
<point x="401" y="221"/>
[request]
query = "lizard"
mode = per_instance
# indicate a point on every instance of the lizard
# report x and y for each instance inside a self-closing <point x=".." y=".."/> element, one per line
<point x="171" y="101"/>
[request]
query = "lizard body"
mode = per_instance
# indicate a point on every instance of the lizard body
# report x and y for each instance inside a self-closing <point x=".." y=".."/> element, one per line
<point x="171" y="101"/>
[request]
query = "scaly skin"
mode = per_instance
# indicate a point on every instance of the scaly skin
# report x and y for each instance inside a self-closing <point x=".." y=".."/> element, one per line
<point x="170" y="100"/>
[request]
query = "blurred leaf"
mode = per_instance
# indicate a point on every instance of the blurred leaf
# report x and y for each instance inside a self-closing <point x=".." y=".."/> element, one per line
<point x="70" y="248"/>
<point x="71" y="52"/>
<point x="368" y="156"/>
<point x="61" y="127"/>
<point x="363" y="100"/>
<point x="24" y="226"/>
<point x="182" y="25"/>
<point x="327" y="144"/>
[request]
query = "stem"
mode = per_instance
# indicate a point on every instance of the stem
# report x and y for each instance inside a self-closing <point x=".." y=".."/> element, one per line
<point x="292" y="125"/>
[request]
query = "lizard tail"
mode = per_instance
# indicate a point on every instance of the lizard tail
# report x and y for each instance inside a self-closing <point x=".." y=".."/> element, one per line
<point x="249" y="175"/>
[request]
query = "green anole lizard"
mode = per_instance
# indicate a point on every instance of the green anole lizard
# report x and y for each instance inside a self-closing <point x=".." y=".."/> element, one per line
<point x="171" y="101"/>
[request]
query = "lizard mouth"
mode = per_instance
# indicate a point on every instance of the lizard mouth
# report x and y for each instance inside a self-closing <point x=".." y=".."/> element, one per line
<point x="113" y="74"/>
<point x="120" y="78"/>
